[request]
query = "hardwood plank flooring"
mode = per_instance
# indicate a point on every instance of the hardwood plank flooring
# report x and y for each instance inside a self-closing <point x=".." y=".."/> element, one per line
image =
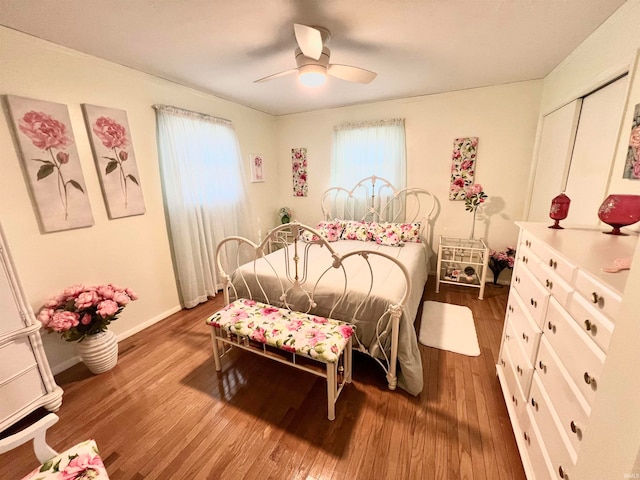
<point x="164" y="413"/>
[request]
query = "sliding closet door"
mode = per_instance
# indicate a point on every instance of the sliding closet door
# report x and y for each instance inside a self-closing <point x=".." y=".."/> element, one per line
<point x="594" y="151"/>
<point x="554" y="155"/>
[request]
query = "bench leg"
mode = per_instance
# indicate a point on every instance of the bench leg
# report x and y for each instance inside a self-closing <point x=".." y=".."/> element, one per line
<point x="216" y="349"/>
<point x="331" y="389"/>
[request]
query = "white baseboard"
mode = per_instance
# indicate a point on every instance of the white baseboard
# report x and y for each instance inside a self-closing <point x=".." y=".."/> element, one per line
<point x="62" y="366"/>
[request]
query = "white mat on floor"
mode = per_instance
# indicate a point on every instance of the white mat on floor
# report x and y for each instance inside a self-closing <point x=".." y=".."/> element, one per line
<point x="449" y="327"/>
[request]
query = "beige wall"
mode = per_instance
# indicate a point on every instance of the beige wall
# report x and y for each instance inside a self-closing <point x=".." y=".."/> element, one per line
<point x="611" y="444"/>
<point x="504" y="117"/>
<point x="131" y="251"/>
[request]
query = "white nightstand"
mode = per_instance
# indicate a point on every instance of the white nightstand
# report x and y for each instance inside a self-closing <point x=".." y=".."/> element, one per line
<point x="283" y="238"/>
<point x="462" y="261"/>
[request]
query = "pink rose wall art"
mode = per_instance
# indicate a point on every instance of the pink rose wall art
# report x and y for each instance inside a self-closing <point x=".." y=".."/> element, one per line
<point x="115" y="160"/>
<point x="299" y="170"/>
<point x="632" y="164"/>
<point x="51" y="163"/>
<point x="463" y="166"/>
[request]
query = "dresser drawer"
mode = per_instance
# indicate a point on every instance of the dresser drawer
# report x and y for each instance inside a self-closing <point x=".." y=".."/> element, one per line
<point x="602" y="298"/>
<point x="533" y="295"/>
<point x="536" y="451"/>
<point x="561" y="452"/>
<point x="596" y="325"/>
<point x="526" y="329"/>
<point x="521" y="364"/>
<point x="16" y="356"/>
<point x="565" y="269"/>
<point x="19" y="392"/>
<point x="514" y="395"/>
<point x="582" y="358"/>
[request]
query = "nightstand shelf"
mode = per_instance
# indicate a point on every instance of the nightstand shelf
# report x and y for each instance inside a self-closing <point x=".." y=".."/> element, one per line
<point x="462" y="261"/>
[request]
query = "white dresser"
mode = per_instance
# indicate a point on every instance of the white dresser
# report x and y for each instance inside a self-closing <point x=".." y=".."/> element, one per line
<point x="26" y="381"/>
<point x="560" y="318"/>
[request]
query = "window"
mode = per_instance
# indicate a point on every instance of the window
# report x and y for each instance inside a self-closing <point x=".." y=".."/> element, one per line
<point x="204" y="194"/>
<point x="370" y="148"/>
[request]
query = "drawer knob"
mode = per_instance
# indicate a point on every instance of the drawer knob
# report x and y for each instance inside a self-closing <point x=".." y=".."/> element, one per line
<point x="562" y="472"/>
<point x="517" y="279"/>
<point x="553" y="264"/>
<point x="548" y="283"/>
<point x="514" y="399"/>
<point x="507" y="336"/>
<point x="542" y="366"/>
<point x="534" y="303"/>
<point x="551" y="327"/>
<point x="518" y="369"/>
<point x="525" y="337"/>
<point x="524" y="259"/>
<point x="527" y="243"/>
<point x="526" y="436"/>
<point x="574" y="427"/>
<point x="595" y="298"/>
<point x="587" y="324"/>
<point x="503" y="363"/>
<point x="534" y="403"/>
<point x="589" y="380"/>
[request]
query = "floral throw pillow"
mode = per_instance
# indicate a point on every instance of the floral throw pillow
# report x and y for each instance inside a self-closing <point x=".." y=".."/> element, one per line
<point x="395" y="234"/>
<point x="411" y="232"/>
<point x="329" y="230"/>
<point x="81" y="461"/>
<point x="354" y="230"/>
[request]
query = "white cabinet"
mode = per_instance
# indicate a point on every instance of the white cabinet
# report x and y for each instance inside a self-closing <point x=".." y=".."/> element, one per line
<point x="26" y="381"/>
<point x="560" y="318"/>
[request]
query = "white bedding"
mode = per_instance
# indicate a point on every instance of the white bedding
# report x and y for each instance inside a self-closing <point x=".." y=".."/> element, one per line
<point x="387" y="287"/>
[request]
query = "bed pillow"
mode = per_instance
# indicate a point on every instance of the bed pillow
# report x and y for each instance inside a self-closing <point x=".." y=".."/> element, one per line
<point x="387" y="233"/>
<point x="411" y="232"/>
<point x="329" y="230"/>
<point x="354" y="230"/>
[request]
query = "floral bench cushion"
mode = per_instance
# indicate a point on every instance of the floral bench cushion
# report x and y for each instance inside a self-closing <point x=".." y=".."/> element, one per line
<point x="315" y="337"/>
<point x="79" y="462"/>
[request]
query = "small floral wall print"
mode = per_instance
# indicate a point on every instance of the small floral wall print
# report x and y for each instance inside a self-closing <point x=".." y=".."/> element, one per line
<point x="463" y="166"/>
<point x="115" y="160"/>
<point x="257" y="168"/>
<point x="632" y="164"/>
<point x="51" y="163"/>
<point x="299" y="170"/>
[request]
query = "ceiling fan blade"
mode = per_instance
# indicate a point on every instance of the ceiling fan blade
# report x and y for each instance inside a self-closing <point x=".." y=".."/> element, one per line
<point x="309" y="40"/>
<point x="351" y="74"/>
<point x="275" y="75"/>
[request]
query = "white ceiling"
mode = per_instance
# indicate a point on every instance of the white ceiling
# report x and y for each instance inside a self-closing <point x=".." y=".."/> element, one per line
<point x="417" y="47"/>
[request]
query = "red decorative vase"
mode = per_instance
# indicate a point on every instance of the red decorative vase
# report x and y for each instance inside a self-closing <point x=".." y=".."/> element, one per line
<point x="620" y="211"/>
<point x="559" y="209"/>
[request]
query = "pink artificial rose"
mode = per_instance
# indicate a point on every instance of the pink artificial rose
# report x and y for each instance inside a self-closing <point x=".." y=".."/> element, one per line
<point x="634" y="141"/>
<point x="107" y="308"/>
<point x="44" y="131"/>
<point x="86" y="299"/>
<point x="83" y="466"/>
<point x="45" y="316"/>
<point x="121" y="298"/>
<point x="63" y="321"/>
<point x="111" y="133"/>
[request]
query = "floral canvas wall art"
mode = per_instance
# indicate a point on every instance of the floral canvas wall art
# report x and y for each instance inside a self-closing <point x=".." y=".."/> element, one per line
<point x="299" y="169"/>
<point x="115" y="160"/>
<point x="256" y="163"/>
<point x="463" y="166"/>
<point x="632" y="164"/>
<point x="51" y="163"/>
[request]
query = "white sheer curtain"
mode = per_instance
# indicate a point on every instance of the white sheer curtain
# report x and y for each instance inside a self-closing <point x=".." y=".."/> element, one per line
<point x="369" y="148"/>
<point x="204" y="194"/>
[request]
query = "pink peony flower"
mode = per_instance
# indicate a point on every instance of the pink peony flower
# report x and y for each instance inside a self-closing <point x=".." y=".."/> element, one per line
<point x="121" y="298"/>
<point x="106" y="308"/>
<point x="87" y="299"/>
<point x="86" y="319"/>
<point x="111" y="133"/>
<point x="106" y="292"/>
<point x="132" y="295"/>
<point x="62" y="321"/>
<point x="634" y="141"/>
<point x="45" y="316"/>
<point x="73" y="291"/>
<point x="83" y="467"/>
<point x="44" y="131"/>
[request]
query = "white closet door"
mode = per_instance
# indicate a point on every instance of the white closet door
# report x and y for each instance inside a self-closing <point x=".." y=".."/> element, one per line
<point x="554" y="156"/>
<point x="594" y="151"/>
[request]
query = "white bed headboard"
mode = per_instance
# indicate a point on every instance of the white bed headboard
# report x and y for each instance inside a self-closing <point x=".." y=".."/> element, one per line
<point x="376" y="199"/>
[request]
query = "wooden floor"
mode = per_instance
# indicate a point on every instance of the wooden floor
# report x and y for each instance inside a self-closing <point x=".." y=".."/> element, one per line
<point x="164" y="413"/>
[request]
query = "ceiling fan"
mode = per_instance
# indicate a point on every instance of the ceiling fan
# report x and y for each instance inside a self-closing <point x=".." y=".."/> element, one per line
<point x="312" y="60"/>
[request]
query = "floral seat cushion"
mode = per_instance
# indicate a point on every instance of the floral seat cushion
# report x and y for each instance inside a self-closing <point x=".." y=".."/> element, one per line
<point x="319" y="338"/>
<point x="80" y="462"/>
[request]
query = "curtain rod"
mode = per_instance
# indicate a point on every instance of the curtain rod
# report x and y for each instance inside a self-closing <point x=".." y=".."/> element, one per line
<point x="370" y="123"/>
<point x="191" y="113"/>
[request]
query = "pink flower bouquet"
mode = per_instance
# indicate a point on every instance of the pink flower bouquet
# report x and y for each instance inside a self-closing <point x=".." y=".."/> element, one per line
<point x="82" y="310"/>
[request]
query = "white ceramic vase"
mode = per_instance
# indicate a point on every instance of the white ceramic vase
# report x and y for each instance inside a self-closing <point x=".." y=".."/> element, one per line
<point x="99" y="352"/>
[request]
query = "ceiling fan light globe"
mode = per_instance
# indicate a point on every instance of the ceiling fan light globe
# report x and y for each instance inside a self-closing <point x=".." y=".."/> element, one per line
<point x="312" y="75"/>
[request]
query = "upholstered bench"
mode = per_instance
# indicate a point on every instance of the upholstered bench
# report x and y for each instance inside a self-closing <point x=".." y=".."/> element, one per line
<point x="284" y="335"/>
